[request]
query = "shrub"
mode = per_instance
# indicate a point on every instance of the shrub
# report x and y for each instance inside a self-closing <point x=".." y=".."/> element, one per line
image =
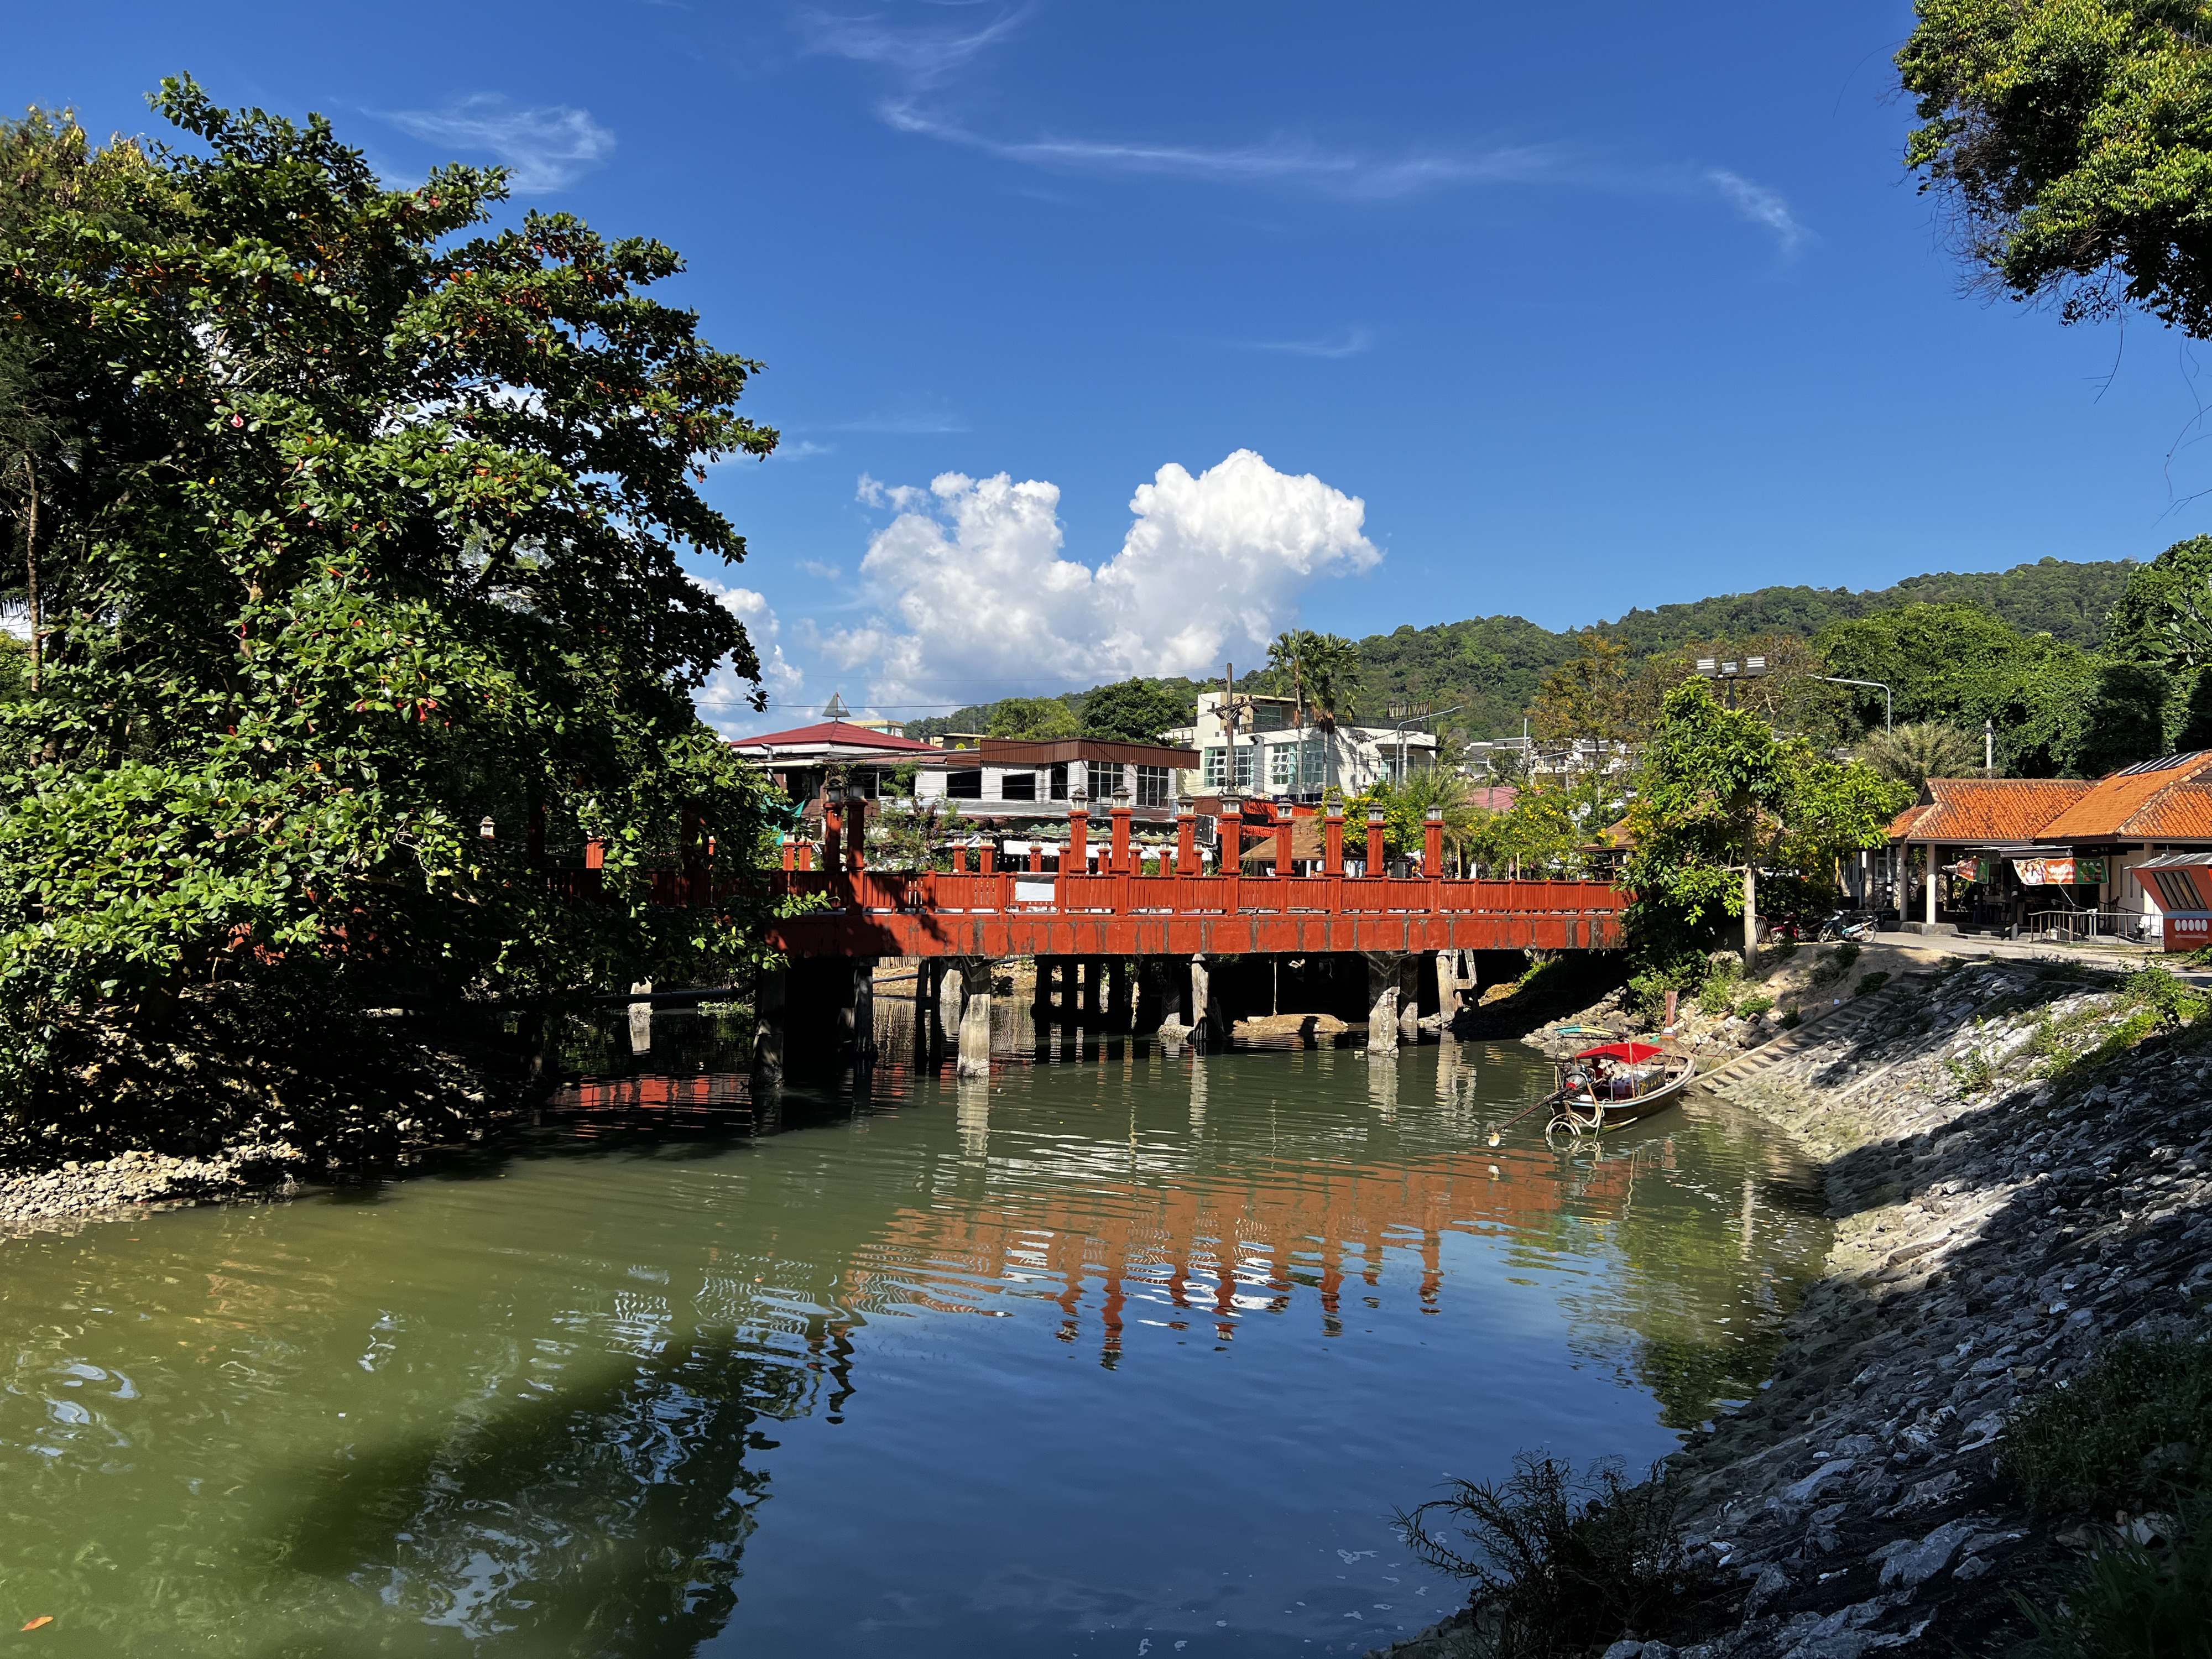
<point x="2133" y="1435"/>
<point x="2174" y="1000"/>
<point x="1846" y="954"/>
<point x="1971" y="1070"/>
<point x="1718" y="994"/>
<point x="1790" y="1019"/>
<point x="1562" y="1566"/>
<point x="1869" y="983"/>
<point x="2130" y="1434"/>
<point x="1755" y="1005"/>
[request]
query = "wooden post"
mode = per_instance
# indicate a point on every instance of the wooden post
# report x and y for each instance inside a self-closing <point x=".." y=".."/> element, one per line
<point x="1231" y="837"/>
<point x="1037" y="858"/>
<point x="987" y="857"/>
<point x="1384" y="968"/>
<point x="952" y="995"/>
<point x="856" y="829"/>
<point x="1432" y="842"/>
<point x="1078" y="834"/>
<point x="1040" y="996"/>
<point x="790" y="853"/>
<point x="1186" y="836"/>
<point x="1152" y="993"/>
<point x="1284" y="826"/>
<point x="1332" y="862"/>
<point x="833" y="831"/>
<point x="1376" y="866"/>
<point x="1117" y="991"/>
<point x="1090" y="990"/>
<point x="1121" y="813"/>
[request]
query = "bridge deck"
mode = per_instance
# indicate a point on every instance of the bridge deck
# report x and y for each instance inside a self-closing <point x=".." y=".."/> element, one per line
<point x="876" y="914"/>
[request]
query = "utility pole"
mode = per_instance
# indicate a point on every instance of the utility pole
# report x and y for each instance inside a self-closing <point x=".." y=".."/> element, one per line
<point x="1232" y="708"/>
<point x="1989" y="747"/>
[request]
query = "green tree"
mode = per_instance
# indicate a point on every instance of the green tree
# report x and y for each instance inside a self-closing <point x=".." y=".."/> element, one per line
<point x="372" y="527"/>
<point x="1718" y="796"/>
<point x="1136" y="711"/>
<point x="2073" y="140"/>
<point x="1920" y="750"/>
<point x="1324" y="674"/>
<point x="1034" y="718"/>
<point x="2163" y="622"/>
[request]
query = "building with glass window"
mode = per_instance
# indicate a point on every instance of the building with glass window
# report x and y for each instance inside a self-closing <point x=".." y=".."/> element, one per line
<point x="1033" y="782"/>
<point x="1270" y="754"/>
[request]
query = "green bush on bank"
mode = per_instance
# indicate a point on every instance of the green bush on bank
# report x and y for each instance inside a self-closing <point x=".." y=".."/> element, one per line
<point x="2130" y="1441"/>
<point x="1562" y="1564"/>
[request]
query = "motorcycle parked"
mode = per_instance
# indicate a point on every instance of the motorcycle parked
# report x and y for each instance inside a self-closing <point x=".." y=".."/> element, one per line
<point x="1857" y="926"/>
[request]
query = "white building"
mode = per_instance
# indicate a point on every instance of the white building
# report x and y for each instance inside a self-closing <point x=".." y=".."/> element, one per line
<point x="1271" y="756"/>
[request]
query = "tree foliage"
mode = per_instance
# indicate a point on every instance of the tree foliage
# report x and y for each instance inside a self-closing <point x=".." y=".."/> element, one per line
<point x="1920" y="750"/>
<point x="362" y="528"/>
<point x="2073" y="140"/>
<point x="1136" y="711"/>
<point x="1037" y="718"/>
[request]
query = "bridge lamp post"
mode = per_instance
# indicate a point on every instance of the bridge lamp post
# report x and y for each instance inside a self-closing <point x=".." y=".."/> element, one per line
<point x="1889" y="702"/>
<point x="1729" y="671"/>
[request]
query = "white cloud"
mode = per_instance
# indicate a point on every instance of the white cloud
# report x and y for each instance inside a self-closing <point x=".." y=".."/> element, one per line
<point x="815" y="567"/>
<point x="978" y="597"/>
<point x="543" y="149"/>
<point x="724" y="700"/>
<point x="1761" y="205"/>
<point x="1349" y="344"/>
<point x="922" y="65"/>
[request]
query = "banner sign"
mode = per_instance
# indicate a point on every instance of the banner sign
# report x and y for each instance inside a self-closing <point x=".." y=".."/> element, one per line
<point x="2044" y="873"/>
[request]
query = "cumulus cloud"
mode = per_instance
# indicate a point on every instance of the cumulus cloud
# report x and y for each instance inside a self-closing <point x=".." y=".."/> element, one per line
<point x="543" y="149"/>
<point x="725" y="701"/>
<point x="977" y="592"/>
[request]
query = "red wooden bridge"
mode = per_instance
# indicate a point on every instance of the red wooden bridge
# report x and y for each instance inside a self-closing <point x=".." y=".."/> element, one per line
<point x="1154" y="901"/>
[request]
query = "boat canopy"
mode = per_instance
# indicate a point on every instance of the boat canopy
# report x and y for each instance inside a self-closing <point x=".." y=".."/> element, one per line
<point x="1632" y="1054"/>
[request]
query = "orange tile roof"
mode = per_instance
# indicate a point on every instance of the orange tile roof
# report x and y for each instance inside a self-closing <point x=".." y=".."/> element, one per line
<point x="1968" y="812"/>
<point x="2173" y="802"/>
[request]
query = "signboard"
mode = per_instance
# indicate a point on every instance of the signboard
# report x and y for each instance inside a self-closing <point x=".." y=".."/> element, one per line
<point x="2043" y="872"/>
<point x="2188" y="933"/>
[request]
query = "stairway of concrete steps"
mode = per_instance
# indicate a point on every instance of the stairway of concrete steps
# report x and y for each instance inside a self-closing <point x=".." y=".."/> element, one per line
<point x="1829" y="1024"/>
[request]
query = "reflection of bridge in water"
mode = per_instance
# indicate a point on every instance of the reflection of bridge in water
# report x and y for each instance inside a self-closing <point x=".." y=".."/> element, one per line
<point x="1163" y="1236"/>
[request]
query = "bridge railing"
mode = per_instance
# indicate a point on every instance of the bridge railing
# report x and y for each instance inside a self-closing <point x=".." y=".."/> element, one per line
<point x="1022" y="892"/>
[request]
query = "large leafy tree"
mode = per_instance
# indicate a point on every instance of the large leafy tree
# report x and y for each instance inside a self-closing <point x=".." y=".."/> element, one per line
<point x="358" y="536"/>
<point x="1035" y="718"/>
<point x="1323" y="673"/>
<point x="1720" y="797"/>
<point x="1136" y="711"/>
<point x="2074" y="137"/>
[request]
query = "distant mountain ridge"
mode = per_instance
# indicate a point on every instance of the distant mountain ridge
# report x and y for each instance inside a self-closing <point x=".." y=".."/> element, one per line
<point x="1489" y="667"/>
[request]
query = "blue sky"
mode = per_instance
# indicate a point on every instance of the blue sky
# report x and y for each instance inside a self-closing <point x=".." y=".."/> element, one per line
<point x="1554" y="313"/>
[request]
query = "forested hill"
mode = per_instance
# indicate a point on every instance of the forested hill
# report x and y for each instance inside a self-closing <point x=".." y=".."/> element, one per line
<point x="1491" y="666"/>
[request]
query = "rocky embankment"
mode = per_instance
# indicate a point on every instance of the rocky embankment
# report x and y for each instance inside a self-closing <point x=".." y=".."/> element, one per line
<point x="2017" y="1165"/>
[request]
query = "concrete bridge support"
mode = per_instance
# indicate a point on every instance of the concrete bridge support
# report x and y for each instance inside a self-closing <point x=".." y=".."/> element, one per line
<point x="974" y="1058"/>
<point x="768" y="1031"/>
<point x="1447" y="977"/>
<point x="1091" y="989"/>
<point x="856" y="1011"/>
<point x="1117" y="992"/>
<point x="1386" y="972"/>
<point x="1154" y="995"/>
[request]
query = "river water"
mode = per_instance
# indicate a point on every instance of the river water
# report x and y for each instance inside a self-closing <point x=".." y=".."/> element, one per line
<point x="1122" y="1353"/>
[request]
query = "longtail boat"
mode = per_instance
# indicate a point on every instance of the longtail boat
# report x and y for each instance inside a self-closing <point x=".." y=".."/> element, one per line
<point x="1615" y="1084"/>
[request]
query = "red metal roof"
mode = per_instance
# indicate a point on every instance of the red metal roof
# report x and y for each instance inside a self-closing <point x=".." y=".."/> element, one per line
<point x="834" y="732"/>
<point x="2157" y="802"/>
<point x="1969" y="811"/>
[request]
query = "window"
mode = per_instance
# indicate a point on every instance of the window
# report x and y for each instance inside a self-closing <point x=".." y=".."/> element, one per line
<point x="1060" y="781"/>
<point x="1106" y="778"/>
<point x="1316" y="763"/>
<point x="2175" y="891"/>
<point x="1282" y="768"/>
<point x="1018" y="785"/>
<point x="1217" y="768"/>
<point x="1153" y="786"/>
<point x="966" y="785"/>
<point x="1244" y="769"/>
<point x="1267" y="717"/>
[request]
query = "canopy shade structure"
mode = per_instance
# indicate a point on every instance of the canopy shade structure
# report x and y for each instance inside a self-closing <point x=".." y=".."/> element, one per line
<point x="1632" y="1054"/>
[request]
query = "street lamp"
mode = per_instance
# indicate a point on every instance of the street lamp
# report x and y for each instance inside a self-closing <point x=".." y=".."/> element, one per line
<point x="1888" y="703"/>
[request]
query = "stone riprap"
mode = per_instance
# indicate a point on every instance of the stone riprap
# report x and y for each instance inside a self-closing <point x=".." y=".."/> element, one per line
<point x="39" y="1199"/>
<point x="2014" y="1187"/>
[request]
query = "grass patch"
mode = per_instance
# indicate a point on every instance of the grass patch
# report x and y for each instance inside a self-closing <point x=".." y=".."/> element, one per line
<point x="1755" y="1005"/>
<point x="2133" y="1437"/>
<point x="1869" y="983"/>
<point x="1970" y="1072"/>
<point x="1846" y="954"/>
<point x="1790" y="1019"/>
<point x="1562" y="1564"/>
<point x="2133" y="1433"/>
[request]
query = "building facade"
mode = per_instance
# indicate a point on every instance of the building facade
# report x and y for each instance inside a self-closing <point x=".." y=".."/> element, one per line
<point x="1269" y="754"/>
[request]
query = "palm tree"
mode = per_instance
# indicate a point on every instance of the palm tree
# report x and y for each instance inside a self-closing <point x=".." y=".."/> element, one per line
<point x="1324" y="669"/>
<point x="1920" y="751"/>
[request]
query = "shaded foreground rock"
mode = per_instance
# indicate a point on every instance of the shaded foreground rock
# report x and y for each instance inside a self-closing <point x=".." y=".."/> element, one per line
<point x="2019" y="1175"/>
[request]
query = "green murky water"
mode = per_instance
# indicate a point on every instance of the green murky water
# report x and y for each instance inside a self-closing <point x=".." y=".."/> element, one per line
<point x="1120" y="1353"/>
